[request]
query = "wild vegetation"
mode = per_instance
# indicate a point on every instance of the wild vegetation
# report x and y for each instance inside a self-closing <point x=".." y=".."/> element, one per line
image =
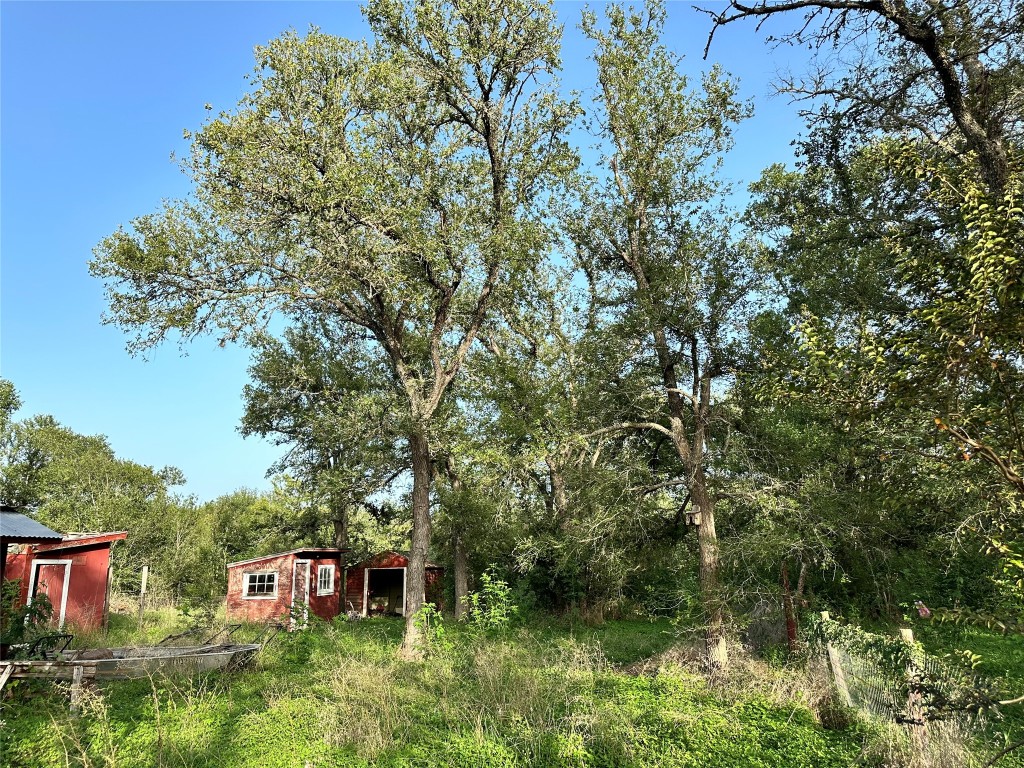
<point x="588" y="376"/>
<point x="538" y="691"/>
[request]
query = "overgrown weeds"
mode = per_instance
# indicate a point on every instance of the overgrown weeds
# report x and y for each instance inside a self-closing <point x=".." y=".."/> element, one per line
<point x="338" y="695"/>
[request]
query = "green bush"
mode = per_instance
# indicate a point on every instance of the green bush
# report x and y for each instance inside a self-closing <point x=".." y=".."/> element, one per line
<point x="22" y="623"/>
<point x="491" y="608"/>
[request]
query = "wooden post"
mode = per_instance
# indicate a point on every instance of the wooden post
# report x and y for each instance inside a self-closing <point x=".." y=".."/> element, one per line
<point x="76" y="691"/>
<point x="142" y="594"/>
<point x="837" y="668"/>
<point x="915" y="713"/>
<point x="3" y="608"/>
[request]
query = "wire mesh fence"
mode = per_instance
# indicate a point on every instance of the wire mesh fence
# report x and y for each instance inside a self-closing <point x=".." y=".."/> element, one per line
<point x="894" y="679"/>
<point x="871" y="687"/>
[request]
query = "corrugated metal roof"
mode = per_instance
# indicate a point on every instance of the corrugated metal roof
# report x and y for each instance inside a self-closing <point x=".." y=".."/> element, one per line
<point x="20" y="528"/>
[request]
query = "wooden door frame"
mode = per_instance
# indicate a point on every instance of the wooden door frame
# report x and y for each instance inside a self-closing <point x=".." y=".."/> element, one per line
<point x="305" y="601"/>
<point x="32" y="583"/>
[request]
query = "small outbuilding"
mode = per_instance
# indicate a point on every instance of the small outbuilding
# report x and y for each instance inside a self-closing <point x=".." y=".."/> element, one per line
<point x="377" y="586"/>
<point x="74" y="573"/>
<point x="286" y="586"/>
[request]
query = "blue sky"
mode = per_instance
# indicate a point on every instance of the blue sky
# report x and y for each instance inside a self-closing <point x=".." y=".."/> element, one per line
<point x="94" y="98"/>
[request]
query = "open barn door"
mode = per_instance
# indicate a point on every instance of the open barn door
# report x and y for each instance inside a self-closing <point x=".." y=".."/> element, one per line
<point x="384" y="592"/>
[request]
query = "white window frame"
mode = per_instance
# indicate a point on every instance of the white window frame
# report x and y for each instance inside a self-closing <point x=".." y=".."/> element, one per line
<point x="245" y="585"/>
<point x="320" y="571"/>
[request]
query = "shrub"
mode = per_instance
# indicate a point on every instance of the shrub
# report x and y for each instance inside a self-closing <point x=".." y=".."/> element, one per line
<point x="491" y="608"/>
<point x="22" y="623"/>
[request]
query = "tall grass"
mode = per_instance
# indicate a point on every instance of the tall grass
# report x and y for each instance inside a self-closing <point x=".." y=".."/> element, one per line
<point x="338" y="695"/>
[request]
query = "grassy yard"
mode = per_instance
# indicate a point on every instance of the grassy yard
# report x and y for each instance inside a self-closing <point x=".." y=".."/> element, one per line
<point x="551" y="695"/>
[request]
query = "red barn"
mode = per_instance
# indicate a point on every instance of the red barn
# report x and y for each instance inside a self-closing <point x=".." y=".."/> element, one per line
<point x="74" y="573"/>
<point x="377" y="586"/>
<point x="286" y="584"/>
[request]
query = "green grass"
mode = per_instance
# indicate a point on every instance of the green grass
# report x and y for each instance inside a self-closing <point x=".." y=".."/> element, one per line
<point x="550" y="695"/>
<point x="1002" y="660"/>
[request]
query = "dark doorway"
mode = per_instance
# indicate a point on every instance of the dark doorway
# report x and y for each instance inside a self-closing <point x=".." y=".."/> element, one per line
<point x="385" y="593"/>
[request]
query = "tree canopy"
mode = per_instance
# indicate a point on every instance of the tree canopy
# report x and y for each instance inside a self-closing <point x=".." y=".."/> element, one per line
<point x="599" y="377"/>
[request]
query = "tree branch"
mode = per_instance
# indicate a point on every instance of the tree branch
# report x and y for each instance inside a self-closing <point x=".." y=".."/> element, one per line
<point x="627" y="425"/>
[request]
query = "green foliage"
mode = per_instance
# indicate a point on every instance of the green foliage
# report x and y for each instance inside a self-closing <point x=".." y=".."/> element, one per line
<point x="999" y="658"/>
<point x="318" y="391"/>
<point x="432" y="625"/>
<point x="406" y="202"/>
<point x="943" y="688"/>
<point x="74" y="482"/>
<point x="22" y="623"/>
<point x="902" y="400"/>
<point x="491" y="608"/>
<point x="394" y="212"/>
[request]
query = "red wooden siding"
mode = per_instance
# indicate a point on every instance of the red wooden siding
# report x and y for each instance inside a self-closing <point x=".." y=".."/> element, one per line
<point x="78" y="579"/>
<point x="278" y="607"/>
<point x="260" y="609"/>
<point x="325" y="606"/>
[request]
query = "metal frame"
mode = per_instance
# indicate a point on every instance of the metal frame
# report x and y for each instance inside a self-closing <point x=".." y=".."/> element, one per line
<point x="67" y="583"/>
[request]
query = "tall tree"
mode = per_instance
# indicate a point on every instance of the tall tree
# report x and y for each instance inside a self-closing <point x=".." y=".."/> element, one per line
<point x="576" y="516"/>
<point x="392" y="188"/>
<point x="949" y="71"/>
<point x="914" y="164"/>
<point x="324" y="396"/>
<point x="75" y="482"/>
<point x="655" y="236"/>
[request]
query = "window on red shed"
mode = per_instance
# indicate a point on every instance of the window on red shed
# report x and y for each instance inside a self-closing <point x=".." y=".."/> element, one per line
<point x="325" y="580"/>
<point x="262" y="584"/>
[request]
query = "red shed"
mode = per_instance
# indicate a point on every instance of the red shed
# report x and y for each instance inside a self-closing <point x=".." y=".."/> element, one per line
<point x="74" y="573"/>
<point x="377" y="585"/>
<point x="286" y="584"/>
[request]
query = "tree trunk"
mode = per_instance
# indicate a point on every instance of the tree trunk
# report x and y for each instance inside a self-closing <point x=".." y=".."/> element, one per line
<point x="340" y="524"/>
<point x="559" y="498"/>
<point x="801" y="583"/>
<point x="415" y="585"/>
<point x="458" y="545"/>
<point x="710" y="589"/>
<point x="461" y="576"/>
<point x="787" y="607"/>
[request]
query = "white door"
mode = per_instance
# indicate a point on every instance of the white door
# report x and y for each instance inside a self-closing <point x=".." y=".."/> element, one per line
<point x="300" y="594"/>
